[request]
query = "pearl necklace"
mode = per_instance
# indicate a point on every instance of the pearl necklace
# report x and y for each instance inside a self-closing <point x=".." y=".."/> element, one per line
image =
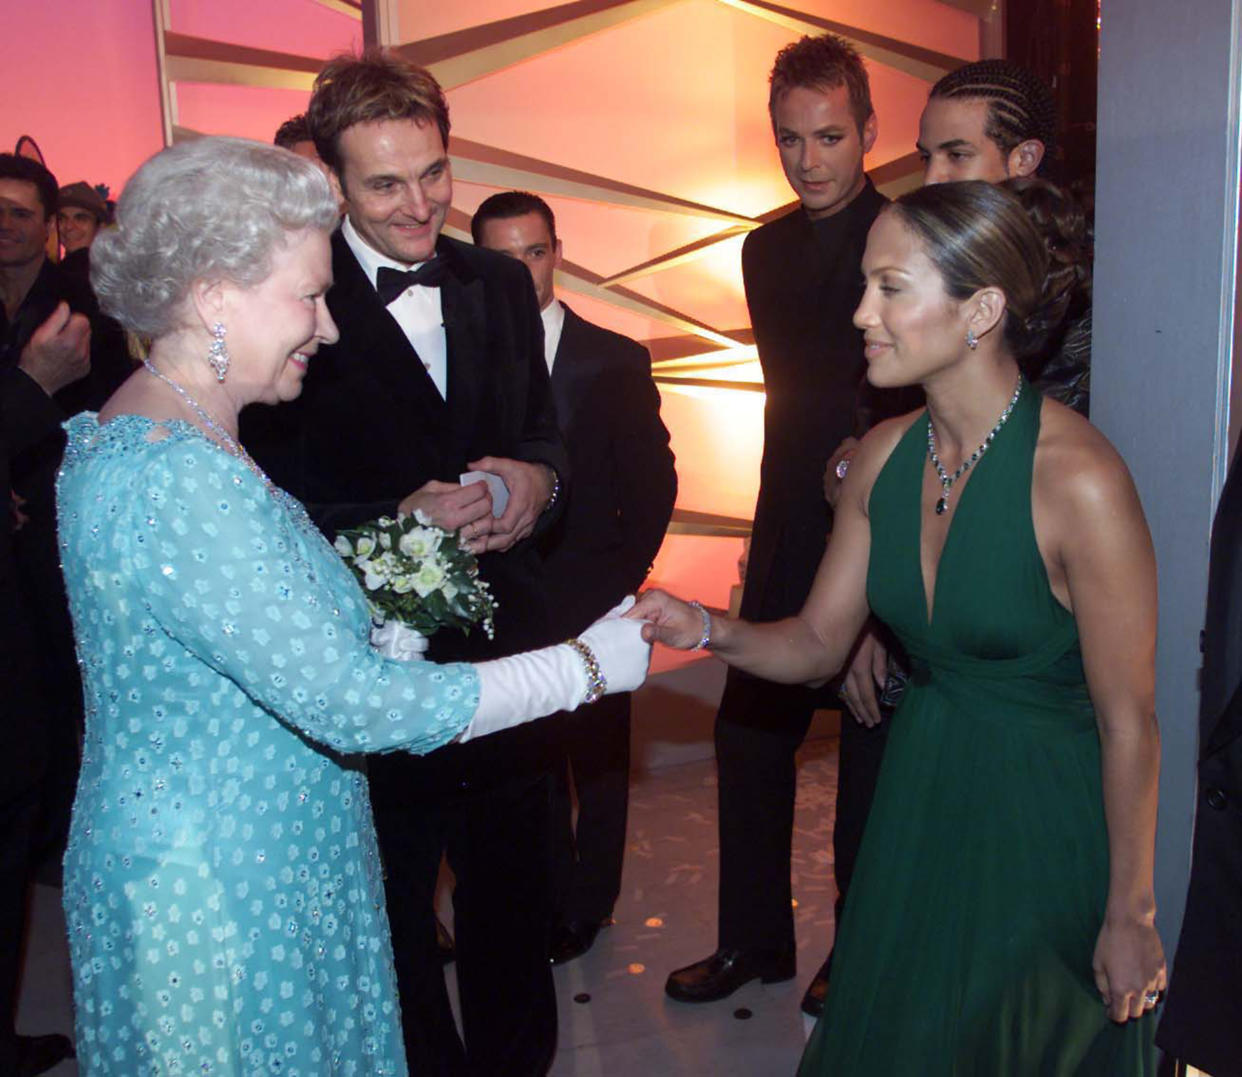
<point x="947" y="480"/>
<point x="225" y="439"/>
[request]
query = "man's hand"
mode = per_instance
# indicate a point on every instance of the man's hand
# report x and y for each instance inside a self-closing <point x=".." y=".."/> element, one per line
<point x="467" y="509"/>
<point x="530" y="489"/>
<point x="832" y="480"/>
<point x="59" y="351"/>
<point x="868" y="670"/>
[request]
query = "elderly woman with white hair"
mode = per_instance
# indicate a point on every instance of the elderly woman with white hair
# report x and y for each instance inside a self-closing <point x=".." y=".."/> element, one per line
<point x="222" y="884"/>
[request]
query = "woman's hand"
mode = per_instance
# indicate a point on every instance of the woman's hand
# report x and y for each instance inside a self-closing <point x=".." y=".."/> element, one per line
<point x="669" y="620"/>
<point x="1129" y="967"/>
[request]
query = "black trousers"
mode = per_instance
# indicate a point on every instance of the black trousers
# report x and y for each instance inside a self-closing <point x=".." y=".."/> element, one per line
<point x="492" y="821"/>
<point x="759" y="727"/>
<point x="595" y="741"/>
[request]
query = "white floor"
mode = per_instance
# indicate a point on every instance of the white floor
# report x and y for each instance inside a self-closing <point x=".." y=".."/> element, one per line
<point x="615" y="1020"/>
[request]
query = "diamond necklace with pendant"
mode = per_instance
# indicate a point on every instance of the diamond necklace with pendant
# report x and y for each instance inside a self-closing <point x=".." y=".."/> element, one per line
<point x="226" y="440"/>
<point x="947" y="480"/>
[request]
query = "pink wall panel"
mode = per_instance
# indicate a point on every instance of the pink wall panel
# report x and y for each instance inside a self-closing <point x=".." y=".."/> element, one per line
<point x="81" y="78"/>
<point x="928" y="23"/>
<point x="718" y="438"/>
<point x="301" y="27"/>
<point x="249" y="111"/>
<point x="656" y="115"/>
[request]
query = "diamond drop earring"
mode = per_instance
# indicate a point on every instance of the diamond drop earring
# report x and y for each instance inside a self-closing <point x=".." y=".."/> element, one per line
<point x="218" y="353"/>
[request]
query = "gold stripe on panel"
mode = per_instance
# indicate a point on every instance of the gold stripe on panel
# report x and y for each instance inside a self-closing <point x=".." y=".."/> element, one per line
<point x="197" y="59"/>
<point x="474" y="162"/>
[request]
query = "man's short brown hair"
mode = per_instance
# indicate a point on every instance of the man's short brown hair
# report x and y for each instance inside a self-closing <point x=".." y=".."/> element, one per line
<point x="378" y="85"/>
<point x="821" y="63"/>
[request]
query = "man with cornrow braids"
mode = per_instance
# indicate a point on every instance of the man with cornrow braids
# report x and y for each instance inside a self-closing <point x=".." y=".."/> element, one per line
<point x="989" y="120"/>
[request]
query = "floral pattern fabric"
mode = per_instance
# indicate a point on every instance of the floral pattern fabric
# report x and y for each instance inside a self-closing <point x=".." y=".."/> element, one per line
<point x="222" y="883"/>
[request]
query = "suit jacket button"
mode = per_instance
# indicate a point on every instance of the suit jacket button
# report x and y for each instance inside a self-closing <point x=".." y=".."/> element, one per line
<point x="1216" y="798"/>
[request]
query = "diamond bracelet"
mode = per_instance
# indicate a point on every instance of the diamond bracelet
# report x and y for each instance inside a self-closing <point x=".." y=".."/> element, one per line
<point x="596" y="684"/>
<point x="705" y="640"/>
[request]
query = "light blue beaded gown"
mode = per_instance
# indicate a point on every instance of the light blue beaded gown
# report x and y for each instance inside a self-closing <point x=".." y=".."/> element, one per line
<point x="222" y="883"/>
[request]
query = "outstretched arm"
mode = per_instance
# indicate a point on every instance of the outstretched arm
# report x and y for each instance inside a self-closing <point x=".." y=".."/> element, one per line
<point x="813" y="645"/>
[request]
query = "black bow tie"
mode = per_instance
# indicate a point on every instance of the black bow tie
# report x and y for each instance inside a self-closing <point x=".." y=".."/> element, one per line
<point x="390" y="283"/>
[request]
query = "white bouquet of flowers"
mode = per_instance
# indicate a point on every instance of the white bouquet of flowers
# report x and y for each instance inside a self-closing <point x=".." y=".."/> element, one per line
<point x="418" y="578"/>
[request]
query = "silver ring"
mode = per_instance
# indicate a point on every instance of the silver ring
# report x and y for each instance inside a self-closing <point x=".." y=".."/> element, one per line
<point x="1151" y="998"/>
<point x="843" y="465"/>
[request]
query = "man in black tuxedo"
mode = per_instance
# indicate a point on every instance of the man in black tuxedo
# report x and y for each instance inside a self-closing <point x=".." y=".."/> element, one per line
<point x="600" y="550"/>
<point x="803" y="282"/>
<point x="1202" y="1023"/>
<point x="439" y="370"/>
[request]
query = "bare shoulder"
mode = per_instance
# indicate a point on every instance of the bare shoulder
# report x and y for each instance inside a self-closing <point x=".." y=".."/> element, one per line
<point x="873" y="453"/>
<point x="1079" y="477"/>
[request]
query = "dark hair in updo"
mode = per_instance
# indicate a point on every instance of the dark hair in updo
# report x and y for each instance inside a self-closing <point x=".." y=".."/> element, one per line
<point x="979" y="235"/>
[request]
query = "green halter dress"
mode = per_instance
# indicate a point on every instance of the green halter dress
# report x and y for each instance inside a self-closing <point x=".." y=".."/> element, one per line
<point x="966" y="942"/>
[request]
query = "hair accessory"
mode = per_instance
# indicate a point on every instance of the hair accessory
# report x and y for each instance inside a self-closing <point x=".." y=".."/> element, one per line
<point x="972" y="341"/>
<point x="705" y="640"/>
<point x="596" y="683"/>
<point x="947" y="480"/>
<point x="218" y="353"/>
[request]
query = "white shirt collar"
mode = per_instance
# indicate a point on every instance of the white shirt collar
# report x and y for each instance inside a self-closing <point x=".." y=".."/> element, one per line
<point x="553" y="316"/>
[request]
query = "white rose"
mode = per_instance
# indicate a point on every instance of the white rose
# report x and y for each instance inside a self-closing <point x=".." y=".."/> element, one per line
<point x="403" y="585"/>
<point x="419" y="542"/>
<point x="385" y="540"/>
<point x="343" y="547"/>
<point x="366" y="546"/>
<point x="428" y="578"/>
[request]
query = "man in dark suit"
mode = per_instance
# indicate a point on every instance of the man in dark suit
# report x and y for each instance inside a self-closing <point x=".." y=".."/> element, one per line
<point x="600" y="550"/>
<point x="439" y="370"/>
<point x="56" y="356"/>
<point x="803" y="281"/>
<point x="1202" y="1023"/>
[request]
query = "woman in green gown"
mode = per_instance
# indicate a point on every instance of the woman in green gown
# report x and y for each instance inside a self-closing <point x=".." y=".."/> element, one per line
<point x="1001" y="918"/>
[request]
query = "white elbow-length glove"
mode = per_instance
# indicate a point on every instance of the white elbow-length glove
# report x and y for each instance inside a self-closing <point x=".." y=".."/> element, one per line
<point x="516" y="689"/>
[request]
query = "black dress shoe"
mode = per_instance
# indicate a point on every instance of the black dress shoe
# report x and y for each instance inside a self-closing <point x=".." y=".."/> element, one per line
<point x="817" y="990"/>
<point x="573" y="939"/>
<point x="38" y="1054"/>
<point x="444" y="944"/>
<point x="719" y="975"/>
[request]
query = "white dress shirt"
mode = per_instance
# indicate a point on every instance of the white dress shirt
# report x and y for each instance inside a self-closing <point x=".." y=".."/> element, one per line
<point x="553" y="316"/>
<point x="416" y="310"/>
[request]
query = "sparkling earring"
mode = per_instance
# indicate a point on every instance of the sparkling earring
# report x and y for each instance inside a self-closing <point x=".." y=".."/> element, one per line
<point x="972" y="341"/>
<point x="218" y="353"/>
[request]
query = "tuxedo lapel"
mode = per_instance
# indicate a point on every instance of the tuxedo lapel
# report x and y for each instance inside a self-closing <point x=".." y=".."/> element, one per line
<point x="372" y="332"/>
<point x="566" y="369"/>
<point x="463" y="299"/>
